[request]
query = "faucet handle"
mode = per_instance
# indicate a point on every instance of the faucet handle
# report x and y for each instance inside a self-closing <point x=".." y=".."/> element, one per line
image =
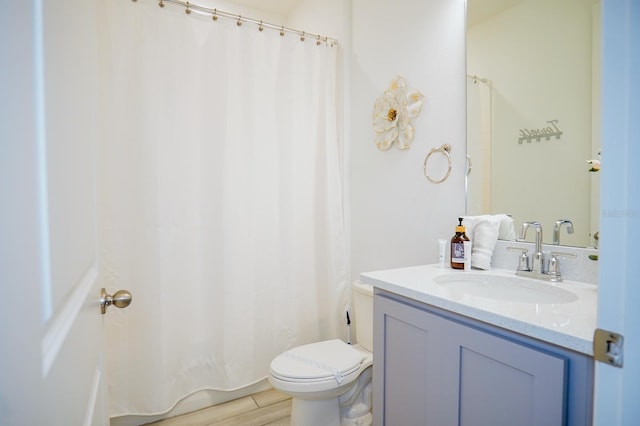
<point x="523" y="259"/>
<point x="523" y="231"/>
<point x="553" y="264"/>
<point x="525" y="226"/>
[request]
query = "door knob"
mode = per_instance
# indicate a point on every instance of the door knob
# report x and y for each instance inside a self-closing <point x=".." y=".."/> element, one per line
<point x="120" y="299"/>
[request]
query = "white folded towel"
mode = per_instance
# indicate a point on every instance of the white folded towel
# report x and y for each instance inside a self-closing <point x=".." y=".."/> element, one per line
<point x="507" y="230"/>
<point x="484" y="231"/>
<point x="485" y="237"/>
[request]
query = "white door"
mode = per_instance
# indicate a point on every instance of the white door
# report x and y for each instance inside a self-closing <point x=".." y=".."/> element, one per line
<point x="617" y="390"/>
<point x="51" y="335"/>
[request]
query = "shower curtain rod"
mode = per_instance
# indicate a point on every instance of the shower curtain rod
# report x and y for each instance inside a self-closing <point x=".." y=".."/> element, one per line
<point x="217" y="13"/>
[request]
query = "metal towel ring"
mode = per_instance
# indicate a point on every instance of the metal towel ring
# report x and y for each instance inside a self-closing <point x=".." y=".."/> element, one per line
<point x="444" y="149"/>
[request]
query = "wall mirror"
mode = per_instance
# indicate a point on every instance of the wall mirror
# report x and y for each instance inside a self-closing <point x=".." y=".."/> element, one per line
<point x="533" y="120"/>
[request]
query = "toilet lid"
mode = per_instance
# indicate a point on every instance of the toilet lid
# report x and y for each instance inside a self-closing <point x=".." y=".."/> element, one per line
<point x="318" y="361"/>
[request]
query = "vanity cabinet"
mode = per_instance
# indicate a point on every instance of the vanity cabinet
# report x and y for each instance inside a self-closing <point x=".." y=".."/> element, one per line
<point x="433" y="367"/>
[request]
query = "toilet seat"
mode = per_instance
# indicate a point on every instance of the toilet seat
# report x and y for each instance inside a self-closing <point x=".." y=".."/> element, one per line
<point x="327" y="361"/>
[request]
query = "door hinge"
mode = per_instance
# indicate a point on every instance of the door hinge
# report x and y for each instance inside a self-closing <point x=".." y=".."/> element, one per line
<point x="608" y="347"/>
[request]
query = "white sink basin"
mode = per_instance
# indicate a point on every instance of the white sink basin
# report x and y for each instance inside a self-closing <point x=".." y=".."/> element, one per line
<point x="506" y="288"/>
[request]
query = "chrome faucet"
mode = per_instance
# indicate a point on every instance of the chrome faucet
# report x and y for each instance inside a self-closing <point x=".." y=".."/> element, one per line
<point x="538" y="256"/>
<point x="538" y="269"/>
<point x="556" y="229"/>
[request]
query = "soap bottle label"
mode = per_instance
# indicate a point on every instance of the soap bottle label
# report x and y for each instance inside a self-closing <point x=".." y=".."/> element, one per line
<point x="457" y="255"/>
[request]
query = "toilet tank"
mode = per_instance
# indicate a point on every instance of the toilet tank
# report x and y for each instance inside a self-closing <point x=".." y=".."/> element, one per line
<point x="363" y="304"/>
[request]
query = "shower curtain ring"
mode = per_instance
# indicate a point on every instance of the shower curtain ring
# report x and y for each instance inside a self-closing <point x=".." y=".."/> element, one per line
<point x="260" y="27"/>
<point x="302" y="37"/>
<point x="318" y="43"/>
<point x="239" y="22"/>
<point x="161" y="3"/>
<point x="215" y="15"/>
<point x="188" y="9"/>
<point x="282" y="31"/>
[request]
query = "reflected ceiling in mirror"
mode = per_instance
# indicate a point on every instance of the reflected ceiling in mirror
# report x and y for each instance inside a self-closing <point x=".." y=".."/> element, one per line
<point x="533" y="113"/>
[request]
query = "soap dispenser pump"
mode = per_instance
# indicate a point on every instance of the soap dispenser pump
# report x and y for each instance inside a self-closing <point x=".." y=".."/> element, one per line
<point x="457" y="246"/>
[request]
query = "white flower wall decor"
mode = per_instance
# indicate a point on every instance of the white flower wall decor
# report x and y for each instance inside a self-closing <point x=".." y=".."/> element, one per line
<point x="392" y="112"/>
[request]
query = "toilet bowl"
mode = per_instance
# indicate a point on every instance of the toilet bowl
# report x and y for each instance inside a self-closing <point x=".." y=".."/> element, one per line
<point x="330" y="381"/>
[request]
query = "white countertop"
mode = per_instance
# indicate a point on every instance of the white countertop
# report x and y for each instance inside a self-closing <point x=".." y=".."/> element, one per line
<point x="570" y="324"/>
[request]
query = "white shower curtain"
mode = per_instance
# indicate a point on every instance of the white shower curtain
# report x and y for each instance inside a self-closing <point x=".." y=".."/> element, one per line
<point x="221" y="202"/>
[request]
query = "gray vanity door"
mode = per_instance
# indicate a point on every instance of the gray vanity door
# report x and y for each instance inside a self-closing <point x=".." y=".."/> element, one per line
<point x="407" y="378"/>
<point x="505" y="383"/>
<point x="430" y="370"/>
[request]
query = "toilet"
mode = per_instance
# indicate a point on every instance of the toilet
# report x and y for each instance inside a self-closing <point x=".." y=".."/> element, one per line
<point x="330" y="381"/>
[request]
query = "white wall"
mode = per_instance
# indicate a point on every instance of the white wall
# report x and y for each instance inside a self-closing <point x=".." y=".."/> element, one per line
<point x="252" y="9"/>
<point x="396" y="214"/>
<point x="325" y="17"/>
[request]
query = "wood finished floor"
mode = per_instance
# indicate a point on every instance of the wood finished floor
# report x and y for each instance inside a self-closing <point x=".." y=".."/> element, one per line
<point x="270" y="408"/>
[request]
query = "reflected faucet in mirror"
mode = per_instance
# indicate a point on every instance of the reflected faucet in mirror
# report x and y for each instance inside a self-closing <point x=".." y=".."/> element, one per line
<point x="558" y="226"/>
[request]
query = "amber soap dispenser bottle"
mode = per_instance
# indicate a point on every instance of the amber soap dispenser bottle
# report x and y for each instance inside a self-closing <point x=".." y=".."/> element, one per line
<point x="457" y="246"/>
